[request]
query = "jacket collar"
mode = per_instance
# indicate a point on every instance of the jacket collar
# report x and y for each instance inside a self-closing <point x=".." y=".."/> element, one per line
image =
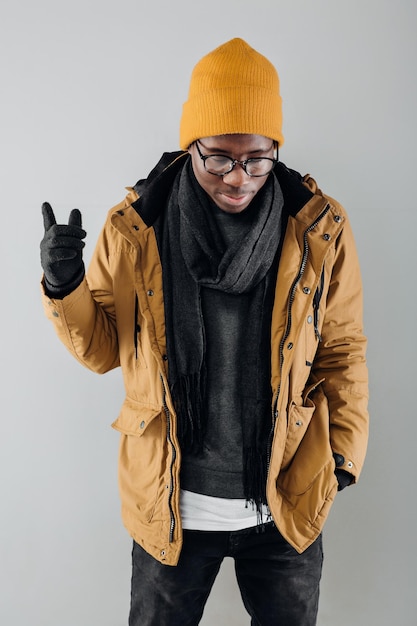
<point x="154" y="191"/>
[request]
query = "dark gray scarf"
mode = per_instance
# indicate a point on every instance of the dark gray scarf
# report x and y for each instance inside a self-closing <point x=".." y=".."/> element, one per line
<point x="195" y="256"/>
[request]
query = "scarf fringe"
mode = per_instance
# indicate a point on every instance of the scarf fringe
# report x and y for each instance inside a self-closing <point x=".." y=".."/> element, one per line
<point x="254" y="480"/>
<point x="188" y="396"/>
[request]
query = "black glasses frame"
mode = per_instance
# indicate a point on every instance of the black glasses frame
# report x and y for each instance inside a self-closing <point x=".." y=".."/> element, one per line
<point x="234" y="162"/>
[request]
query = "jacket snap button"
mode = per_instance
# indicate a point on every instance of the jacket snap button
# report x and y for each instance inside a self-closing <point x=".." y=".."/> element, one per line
<point x="326" y="237"/>
<point x="150" y="292"/>
<point x="163" y="553"/>
<point x="142" y="424"/>
<point x="307" y="290"/>
<point x="298" y="423"/>
<point x="350" y="464"/>
<point x="309" y="319"/>
<point x="290" y="346"/>
<point x="55" y="313"/>
<point x="337" y="218"/>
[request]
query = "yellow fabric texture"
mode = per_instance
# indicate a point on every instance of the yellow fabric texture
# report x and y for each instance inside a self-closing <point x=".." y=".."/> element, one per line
<point x="233" y="89"/>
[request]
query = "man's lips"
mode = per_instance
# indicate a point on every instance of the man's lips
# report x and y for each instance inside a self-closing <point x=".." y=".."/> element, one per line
<point x="235" y="199"/>
<point x="234" y="202"/>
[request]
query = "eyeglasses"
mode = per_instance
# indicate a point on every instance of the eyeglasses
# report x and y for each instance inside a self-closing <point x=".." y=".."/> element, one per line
<point x="220" y="165"/>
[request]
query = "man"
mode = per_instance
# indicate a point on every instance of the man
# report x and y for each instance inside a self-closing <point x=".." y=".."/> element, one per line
<point x="227" y="288"/>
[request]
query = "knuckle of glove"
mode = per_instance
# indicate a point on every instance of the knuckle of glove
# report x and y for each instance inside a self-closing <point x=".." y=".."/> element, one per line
<point x="65" y="230"/>
<point x="62" y="254"/>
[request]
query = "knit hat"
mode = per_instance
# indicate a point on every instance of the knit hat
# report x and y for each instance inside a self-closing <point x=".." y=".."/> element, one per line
<point x="233" y="89"/>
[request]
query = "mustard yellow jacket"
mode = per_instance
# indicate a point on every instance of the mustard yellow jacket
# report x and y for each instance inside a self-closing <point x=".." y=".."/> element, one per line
<point x="319" y="375"/>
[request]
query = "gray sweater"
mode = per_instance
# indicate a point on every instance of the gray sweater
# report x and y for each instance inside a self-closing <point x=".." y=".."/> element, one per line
<point x="218" y="471"/>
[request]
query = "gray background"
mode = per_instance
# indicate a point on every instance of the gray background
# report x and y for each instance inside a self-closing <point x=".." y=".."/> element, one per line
<point x="91" y="94"/>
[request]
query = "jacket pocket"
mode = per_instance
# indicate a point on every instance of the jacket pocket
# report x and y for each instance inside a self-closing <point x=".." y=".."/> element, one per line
<point x="308" y="450"/>
<point x="299" y="418"/>
<point x="141" y="454"/>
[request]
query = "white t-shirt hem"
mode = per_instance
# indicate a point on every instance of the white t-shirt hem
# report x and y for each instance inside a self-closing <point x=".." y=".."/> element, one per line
<point x="209" y="513"/>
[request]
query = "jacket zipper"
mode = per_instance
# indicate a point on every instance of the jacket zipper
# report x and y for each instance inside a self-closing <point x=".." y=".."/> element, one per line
<point x="316" y="306"/>
<point x="137" y="328"/>
<point x="171" y="473"/>
<point x="288" y="327"/>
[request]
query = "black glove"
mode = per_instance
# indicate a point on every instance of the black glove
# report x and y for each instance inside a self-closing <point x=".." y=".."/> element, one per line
<point x="61" y="252"/>
<point x="344" y="478"/>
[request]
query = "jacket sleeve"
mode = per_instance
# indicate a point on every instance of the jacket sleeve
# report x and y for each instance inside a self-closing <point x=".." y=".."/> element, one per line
<point x="85" y="319"/>
<point x="341" y="357"/>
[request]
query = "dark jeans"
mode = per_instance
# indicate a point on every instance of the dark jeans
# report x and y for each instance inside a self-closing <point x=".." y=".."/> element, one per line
<point x="279" y="587"/>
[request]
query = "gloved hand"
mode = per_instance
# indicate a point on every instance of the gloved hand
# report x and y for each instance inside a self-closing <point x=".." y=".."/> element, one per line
<point x="61" y="252"/>
<point x="344" y="478"/>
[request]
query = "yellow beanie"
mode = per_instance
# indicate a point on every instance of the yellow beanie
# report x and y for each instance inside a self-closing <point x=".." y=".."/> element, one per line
<point x="233" y="89"/>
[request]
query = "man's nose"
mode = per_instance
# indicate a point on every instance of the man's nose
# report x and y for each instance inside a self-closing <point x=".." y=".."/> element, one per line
<point x="237" y="177"/>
